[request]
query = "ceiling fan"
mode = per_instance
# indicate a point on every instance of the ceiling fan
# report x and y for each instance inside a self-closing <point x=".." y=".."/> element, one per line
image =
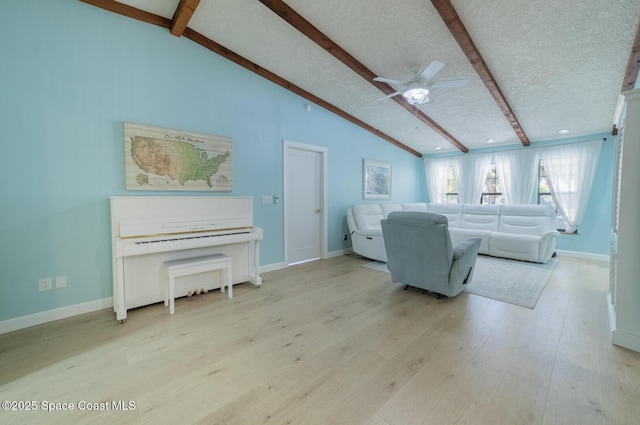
<point x="416" y="89"/>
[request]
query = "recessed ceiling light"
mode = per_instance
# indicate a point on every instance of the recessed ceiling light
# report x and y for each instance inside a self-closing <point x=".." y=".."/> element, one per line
<point x="437" y="148"/>
<point x="490" y="140"/>
<point x="563" y="131"/>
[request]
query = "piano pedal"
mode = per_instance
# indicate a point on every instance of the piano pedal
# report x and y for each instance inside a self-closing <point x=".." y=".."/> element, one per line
<point x="197" y="291"/>
<point x="204" y="290"/>
<point x="189" y="293"/>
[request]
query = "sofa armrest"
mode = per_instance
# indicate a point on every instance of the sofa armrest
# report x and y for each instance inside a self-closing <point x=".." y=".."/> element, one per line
<point x="371" y="232"/>
<point x="547" y="245"/>
<point x="551" y="234"/>
<point x="351" y="221"/>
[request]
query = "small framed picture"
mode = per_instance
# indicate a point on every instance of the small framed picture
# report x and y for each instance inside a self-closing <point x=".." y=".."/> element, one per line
<point x="377" y="179"/>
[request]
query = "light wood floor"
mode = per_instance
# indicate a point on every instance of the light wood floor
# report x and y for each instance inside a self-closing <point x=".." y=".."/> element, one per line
<point x="332" y="342"/>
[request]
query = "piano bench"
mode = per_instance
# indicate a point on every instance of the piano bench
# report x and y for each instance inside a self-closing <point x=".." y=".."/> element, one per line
<point x="194" y="265"/>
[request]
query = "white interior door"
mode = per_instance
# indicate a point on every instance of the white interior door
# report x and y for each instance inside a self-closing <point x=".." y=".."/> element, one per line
<point x="304" y="202"/>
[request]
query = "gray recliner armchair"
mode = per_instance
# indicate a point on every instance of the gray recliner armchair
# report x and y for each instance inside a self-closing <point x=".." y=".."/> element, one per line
<point x="420" y="253"/>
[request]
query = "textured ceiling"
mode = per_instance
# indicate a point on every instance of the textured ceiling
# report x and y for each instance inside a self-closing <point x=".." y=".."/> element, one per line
<point x="559" y="64"/>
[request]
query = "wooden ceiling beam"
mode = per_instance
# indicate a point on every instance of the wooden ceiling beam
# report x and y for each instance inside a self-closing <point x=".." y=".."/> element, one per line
<point x="131" y="12"/>
<point x="633" y="65"/>
<point x="459" y="32"/>
<point x="281" y="9"/>
<point x="182" y="16"/>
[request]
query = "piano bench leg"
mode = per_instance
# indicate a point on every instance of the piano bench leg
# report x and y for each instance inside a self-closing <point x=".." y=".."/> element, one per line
<point x="169" y="291"/>
<point x="226" y="278"/>
<point x="171" y="294"/>
<point x="229" y="276"/>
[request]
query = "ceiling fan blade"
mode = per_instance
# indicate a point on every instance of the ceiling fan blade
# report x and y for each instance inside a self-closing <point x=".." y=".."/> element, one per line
<point x="387" y="80"/>
<point x="449" y="84"/>
<point x="388" y="96"/>
<point x="431" y="70"/>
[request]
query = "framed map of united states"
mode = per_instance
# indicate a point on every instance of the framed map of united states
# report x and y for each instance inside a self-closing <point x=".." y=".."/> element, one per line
<point x="165" y="159"/>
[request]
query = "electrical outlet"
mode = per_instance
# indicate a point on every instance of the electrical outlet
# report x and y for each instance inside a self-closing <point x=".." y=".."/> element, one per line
<point x="45" y="284"/>
<point x="344" y="237"/>
<point x="61" y="281"/>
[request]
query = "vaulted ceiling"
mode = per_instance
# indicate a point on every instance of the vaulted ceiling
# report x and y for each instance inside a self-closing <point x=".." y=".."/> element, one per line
<point x="534" y="67"/>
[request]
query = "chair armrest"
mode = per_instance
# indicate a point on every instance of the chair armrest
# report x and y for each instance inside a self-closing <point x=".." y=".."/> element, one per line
<point x="466" y="248"/>
<point x="464" y="260"/>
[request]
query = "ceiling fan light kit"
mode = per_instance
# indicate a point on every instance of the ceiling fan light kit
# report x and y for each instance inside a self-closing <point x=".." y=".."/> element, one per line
<point x="416" y="95"/>
<point x="417" y="89"/>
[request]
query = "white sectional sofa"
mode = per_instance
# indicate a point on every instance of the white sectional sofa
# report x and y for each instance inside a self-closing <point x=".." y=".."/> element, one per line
<point x="520" y="232"/>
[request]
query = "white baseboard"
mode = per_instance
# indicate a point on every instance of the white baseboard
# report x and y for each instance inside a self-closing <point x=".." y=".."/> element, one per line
<point x="283" y="265"/>
<point x="55" y="314"/>
<point x="626" y="340"/>
<point x="583" y="255"/>
<point x="339" y="252"/>
<point x="272" y="267"/>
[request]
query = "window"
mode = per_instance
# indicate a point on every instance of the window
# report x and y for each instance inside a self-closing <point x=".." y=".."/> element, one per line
<point x="451" y="196"/>
<point x="491" y="191"/>
<point x="544" y="194"/>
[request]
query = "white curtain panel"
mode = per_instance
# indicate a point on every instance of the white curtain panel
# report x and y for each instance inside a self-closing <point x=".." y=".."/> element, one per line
<point x="471" y="172"/>
<point x="570" y="170"/>
<point x="518" y="174"/>
<point x="437" y="173"/>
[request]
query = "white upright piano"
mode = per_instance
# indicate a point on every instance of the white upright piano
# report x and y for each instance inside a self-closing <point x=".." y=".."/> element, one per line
<point x="148" y="230"/>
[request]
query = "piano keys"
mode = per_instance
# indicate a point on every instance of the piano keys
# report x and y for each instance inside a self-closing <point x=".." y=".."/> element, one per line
<point x="148" y="231"/>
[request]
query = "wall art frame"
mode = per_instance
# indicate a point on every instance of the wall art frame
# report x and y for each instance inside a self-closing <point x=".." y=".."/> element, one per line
<point x="376" y="179"/>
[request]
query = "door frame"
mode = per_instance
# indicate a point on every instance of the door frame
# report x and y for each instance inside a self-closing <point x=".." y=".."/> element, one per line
<point x="287" y="146"/>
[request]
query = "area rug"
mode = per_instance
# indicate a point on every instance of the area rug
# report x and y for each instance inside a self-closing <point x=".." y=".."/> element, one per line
<point x="511" y="281"/>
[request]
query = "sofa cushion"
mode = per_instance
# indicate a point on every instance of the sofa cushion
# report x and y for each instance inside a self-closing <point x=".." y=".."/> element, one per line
<point x="389" y="207"/>
<point x="415" y="206"/>
<point x="480" y="217"/>
<point x="453" y="212"/>
<point x="368" y="216"/>
<point x="518" y="247"/>
<point x="527" y="219"/>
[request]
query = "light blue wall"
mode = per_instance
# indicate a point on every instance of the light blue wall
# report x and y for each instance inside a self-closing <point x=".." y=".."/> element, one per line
<point x="594" y="232"/>
<point x="70" y="74"/>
